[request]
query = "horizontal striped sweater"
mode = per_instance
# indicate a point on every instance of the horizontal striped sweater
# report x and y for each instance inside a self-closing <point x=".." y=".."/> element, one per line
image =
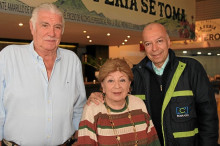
<point x="95" y="127"/>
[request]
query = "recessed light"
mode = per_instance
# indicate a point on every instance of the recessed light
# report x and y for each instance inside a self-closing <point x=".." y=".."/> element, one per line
<point x="90" y="41"/>
<point x="108" y="34"/>
<point x="199" y="39"/>
<point x="209" y="53"/>
<point x="184" y="52"/>
<point x="126" y="40"/>
<point x="84" y="31"/>
<point x="87" y="36"/>
<point x="20" y="24"/>
<point x="218" y="54"/>
<point x="128" y="36"/>
<point x="123" y="43"/>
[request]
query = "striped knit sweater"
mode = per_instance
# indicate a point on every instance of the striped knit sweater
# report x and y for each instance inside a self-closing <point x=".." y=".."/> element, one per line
<point x="95" y="127"/>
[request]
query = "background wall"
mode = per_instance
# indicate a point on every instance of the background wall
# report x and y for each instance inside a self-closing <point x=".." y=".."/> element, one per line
<point x="210" y="63"/>
<point x="133" y="55"/>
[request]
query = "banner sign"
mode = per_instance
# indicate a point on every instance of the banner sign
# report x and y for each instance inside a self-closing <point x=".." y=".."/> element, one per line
<point x="176" y="15"/>
<point x="208" y="30"/>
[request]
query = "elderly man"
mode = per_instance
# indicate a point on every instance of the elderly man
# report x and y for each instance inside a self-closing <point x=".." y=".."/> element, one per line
<point x="176" y="91"/>
<point x="42" y="92"/>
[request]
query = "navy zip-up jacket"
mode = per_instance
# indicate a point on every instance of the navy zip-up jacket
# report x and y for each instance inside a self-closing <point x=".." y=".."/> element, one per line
<point x="189" y="116"/>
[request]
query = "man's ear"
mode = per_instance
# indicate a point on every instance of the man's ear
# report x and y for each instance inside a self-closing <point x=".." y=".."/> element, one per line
<point x="168" y="42"/>
<point x="31" y="27"/>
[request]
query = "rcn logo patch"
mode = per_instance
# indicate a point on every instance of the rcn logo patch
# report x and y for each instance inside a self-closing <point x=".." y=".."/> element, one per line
<point x="182" y="112"/>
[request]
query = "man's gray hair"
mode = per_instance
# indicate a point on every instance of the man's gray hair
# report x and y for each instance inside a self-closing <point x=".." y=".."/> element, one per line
<point x="48" y="7"/>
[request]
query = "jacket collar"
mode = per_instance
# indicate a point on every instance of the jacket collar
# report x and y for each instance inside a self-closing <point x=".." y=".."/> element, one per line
<point x="146" y="62"/>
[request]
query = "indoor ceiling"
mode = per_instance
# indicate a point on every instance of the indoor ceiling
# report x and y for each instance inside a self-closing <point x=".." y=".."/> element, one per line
<point x="74" y="31"/>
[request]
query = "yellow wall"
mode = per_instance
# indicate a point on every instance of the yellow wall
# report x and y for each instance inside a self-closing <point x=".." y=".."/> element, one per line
<point x="131" y="53"/>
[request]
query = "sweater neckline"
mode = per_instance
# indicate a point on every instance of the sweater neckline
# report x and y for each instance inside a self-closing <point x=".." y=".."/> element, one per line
<point x="118" y="110"/>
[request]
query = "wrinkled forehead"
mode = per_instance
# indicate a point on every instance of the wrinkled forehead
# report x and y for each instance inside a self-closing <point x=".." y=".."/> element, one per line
<point x="44" y="12"/>
<point x="46" y="15"/>
<point x="153" y="36"/>
<point x="154" y="32"/>
<point x="116" y="75"/>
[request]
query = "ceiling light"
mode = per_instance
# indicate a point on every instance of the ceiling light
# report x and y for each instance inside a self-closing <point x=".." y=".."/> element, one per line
<point x="126" y="40"/>
<point x="199" y="53"/>
<point x="184" y="52"/>
<point x="218" y="54"/>
<point x="209" y="53"/>
<point x="108" y="34"/>
<point x="84" y="31"/>
<point x="199" y="39"/>
<point x="90" y="41"/>
<point x="128" y="36"/>
<point x="87" y="36"/>
<point x="123" y="43"/>
<point x="20" y="24"/>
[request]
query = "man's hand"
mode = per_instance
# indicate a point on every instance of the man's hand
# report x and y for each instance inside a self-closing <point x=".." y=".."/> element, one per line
<point x="95" y="97"/>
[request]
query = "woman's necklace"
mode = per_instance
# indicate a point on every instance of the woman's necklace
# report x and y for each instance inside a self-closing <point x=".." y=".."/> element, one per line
<point x="118" y="138"/>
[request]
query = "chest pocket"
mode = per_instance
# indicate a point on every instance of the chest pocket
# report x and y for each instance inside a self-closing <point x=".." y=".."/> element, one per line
<point x="182" y="106"/>
<point x="183" y="114"/>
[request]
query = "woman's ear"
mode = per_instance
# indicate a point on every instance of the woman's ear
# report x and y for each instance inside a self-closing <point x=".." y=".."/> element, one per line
<point x="129" y="87"/>
<point x="102" y="86"/>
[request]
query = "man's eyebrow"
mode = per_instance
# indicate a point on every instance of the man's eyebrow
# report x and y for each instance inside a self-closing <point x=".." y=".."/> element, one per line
<point x="161" y="38"/>
<point x="58" y="25"/>
<point x="44" y="22"/>
<point x="155" y="39"/>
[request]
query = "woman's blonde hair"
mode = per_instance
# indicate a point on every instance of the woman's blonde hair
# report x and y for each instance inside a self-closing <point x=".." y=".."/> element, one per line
<point x="112" y="65"/>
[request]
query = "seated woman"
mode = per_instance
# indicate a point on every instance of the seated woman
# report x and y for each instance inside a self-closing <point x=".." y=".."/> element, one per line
<point x="123" y="118"/>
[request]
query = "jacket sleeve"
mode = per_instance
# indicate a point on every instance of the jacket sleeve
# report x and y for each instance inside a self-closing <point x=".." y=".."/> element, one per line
<point x="205" y="106"/>
<point x="151" y="131"/>
<point x="138" y="84"/>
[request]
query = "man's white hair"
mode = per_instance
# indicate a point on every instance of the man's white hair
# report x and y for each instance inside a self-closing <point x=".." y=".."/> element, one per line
<point x="48" y="7"/>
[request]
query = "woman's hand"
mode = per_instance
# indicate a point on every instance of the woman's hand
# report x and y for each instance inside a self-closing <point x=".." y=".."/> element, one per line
<point x="95" y="97"/>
